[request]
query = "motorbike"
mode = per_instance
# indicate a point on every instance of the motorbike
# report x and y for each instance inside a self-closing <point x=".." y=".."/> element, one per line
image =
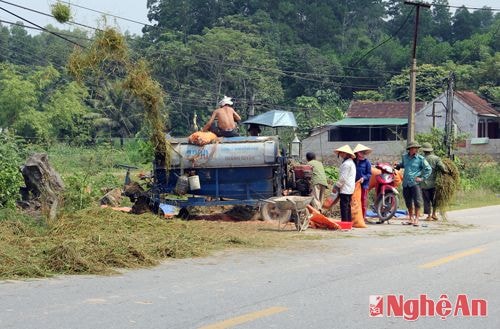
<point x="386" y="200"/>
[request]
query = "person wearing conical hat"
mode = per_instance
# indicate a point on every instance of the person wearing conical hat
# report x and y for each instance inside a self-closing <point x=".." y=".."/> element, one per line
<point x="346" y="182"/>
<point x="226" y="118"/>
<point x="429" y="185"/>
<point x="416" y="170"/>
<point x="363" y="173"/>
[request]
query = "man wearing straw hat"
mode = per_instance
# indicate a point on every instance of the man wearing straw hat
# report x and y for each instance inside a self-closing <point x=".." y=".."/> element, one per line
<point x="429" y="184"/>
<point x="363" y="173"/>
<point x="416" y="170"/>
<point x="346" y="182"/>
<point x="226" y="118"/>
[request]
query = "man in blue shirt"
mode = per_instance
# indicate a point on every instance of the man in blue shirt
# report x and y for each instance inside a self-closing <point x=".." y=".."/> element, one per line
<point x="416" y="169"/>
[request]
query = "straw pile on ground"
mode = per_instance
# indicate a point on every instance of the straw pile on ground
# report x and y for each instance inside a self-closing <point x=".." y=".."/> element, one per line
<point x="446" y="186"/>
<point x="98" y="241"/>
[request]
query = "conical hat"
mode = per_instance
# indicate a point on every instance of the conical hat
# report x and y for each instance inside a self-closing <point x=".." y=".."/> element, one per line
<point x="346" y="149"/>
<point x="361" y="148"/>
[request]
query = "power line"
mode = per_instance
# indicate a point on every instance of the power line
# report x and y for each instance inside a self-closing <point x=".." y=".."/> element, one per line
<point x="76" y="23"/>
<point x="107" y="14"/>
<point x="48" y="15"/>
<point x="41" y="29"/>
<point x="386" y="40"/>
<point x="232" y="64"/>
<point x="44" y="29"/>
<point x="464" y="6"/>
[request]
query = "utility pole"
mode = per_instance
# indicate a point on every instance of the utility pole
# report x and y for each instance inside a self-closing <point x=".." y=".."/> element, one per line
<point x="434" y="115"/>
<point x="413" y="72"/>
<point x="449" y="137"/>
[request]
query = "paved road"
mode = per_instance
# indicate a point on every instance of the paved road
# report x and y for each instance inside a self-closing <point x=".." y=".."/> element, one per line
<point x="312" y="284"/>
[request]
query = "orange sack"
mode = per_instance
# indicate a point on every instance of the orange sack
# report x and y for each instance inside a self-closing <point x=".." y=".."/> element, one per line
<point x="356" y="212"/>
<point x="318" y="220"/>
<point x="202" y="138"/>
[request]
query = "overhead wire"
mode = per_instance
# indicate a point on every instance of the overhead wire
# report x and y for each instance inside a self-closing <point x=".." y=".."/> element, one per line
<point x="466" y="7"/>
<point x="107" y="14"/>
<point x="290" y="74"/>
<point x="44" y="29"/>
<point x="49" y="15"/>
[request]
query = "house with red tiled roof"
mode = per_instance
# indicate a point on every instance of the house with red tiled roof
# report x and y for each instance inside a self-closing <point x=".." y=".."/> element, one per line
<point x="383" y="126"/>
<point x="472" y="116"/>
<point x="373" y="121"/>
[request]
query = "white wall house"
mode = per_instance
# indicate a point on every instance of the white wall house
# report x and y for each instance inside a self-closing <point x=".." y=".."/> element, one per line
<point x="471" y="115"/>
<point x="382" y="126"/>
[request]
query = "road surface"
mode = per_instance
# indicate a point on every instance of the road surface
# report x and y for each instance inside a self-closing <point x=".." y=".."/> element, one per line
<point x="323" y="283"/>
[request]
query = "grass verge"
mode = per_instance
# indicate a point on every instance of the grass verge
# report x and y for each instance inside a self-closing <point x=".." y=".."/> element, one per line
<point x="474" y="199"/>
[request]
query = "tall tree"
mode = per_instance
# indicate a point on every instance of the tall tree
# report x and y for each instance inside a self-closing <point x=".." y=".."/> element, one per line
<point x="441" y="21"/>
<point x="17" y="95"/>
<point x="463" y="24"/>
<point x="22" y="48"/>
<point x="237" y="63"/>
<point x="430" y="83"/>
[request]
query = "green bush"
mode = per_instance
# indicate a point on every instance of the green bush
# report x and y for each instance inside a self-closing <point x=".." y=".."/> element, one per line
<point x="489" y="178"/>
<point x="476" y="174"/>
<point x="140" y="151"/>
<point x="10" y="176"/>
<point x="332" y="174"/>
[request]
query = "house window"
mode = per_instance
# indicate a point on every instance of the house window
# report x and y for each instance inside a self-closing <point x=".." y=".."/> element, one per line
<point x="367" y="133"/>
<point x="481" y="128"/>
<point x="492" y="129"/>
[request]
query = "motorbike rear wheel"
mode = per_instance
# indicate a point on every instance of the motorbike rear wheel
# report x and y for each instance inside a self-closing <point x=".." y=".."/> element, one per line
<point x="386" y="206"/>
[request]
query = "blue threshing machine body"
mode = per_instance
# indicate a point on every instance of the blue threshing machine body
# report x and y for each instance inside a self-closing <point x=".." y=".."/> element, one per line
<point x="234" y="171"/>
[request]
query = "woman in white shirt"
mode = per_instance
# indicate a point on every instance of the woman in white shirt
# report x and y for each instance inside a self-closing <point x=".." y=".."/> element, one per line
<point x="346" y="182"/>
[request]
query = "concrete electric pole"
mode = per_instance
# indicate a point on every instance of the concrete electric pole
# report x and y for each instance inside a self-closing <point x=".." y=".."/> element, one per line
<point x="413" y="72"/>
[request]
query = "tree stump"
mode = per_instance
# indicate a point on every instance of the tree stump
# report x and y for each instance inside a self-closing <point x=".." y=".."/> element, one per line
<point x="44" y="185"/>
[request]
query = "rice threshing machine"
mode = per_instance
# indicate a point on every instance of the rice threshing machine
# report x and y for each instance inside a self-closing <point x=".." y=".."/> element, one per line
<point x="250" y="171"/>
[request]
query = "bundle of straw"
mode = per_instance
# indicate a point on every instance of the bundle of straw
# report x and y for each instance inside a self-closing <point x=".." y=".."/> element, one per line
<point x="447" y="183"/>
<point x="61" y="12"/>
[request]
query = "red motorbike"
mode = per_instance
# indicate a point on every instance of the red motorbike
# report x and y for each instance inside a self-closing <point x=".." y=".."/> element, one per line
<point x="387" y="200"/>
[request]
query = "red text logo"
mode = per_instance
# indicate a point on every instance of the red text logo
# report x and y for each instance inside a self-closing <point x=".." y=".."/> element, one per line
<point x="423" y="306"/>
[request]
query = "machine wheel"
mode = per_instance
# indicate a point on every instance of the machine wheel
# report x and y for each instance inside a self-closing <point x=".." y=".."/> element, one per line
<point x="184" y="213"/>
<point x="386" y="206"/>
<point x="270" y="211"/>
<point x="302" y="220"/>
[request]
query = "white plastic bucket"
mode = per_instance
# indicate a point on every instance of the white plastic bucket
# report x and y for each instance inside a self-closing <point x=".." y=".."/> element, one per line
<point x="194" y="182"/>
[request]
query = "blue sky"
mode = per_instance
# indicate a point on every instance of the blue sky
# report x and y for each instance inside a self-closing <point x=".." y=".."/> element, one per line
<point x="131" y="9"/>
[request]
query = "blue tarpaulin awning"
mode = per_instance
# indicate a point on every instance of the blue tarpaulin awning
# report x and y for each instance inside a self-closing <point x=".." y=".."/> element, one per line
<point x="274" y="118"/>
